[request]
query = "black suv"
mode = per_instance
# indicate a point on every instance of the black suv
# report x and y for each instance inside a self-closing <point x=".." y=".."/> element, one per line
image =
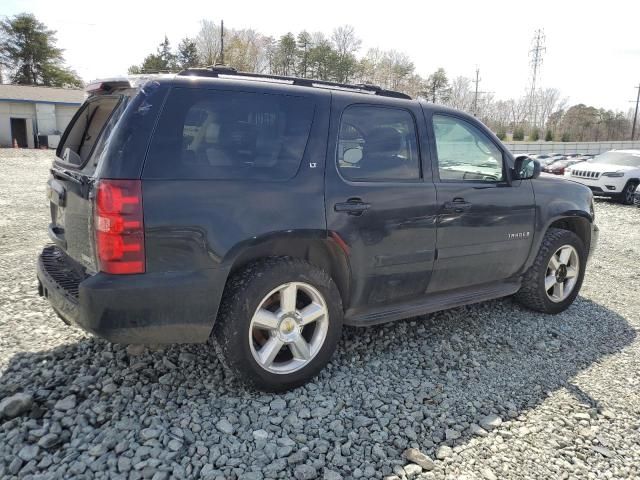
<point x="265" y="212"/>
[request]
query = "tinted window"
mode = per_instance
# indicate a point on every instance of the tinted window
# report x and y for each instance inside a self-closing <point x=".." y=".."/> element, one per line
<point x="378" y="144"/>
<point x="224" y="135"/>
<point x="465" y="152"/>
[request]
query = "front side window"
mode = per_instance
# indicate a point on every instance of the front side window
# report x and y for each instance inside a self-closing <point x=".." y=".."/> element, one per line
<point x="464" y="152"/>
<point x="208" y="134"/>
<point x="378" y="144"/>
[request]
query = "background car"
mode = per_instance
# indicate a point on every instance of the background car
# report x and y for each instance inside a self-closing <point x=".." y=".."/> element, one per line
<point x="613" y="174"/>
<point x="558" y="167"/>
<point x="550" y="160"/>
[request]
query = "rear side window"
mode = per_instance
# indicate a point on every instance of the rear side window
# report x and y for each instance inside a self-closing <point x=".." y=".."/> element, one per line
<point x="211" y="134"/>
<point x="378" y="144"/>
<point x="86" y="130"/>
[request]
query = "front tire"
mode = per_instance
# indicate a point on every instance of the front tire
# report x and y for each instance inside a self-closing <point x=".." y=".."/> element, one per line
<point x="628" y="194"/>
<point x="554" y="280"/>
<point x="279" y="323"/>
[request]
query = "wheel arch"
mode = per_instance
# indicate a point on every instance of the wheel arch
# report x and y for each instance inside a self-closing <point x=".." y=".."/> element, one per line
<point x="576" y="221"/>
<point x="314" y="246"/>
<point x="579" y="225"/>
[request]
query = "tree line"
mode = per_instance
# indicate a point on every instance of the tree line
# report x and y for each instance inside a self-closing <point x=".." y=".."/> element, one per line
<point x="29" y="56"/>
<point x="543" y="115"/>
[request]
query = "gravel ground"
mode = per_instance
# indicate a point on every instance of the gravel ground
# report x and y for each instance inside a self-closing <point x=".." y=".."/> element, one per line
<point x="487" y="391"/>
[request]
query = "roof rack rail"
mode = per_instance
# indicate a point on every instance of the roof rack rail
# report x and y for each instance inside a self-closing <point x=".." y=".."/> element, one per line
<point x="226" y="71"/>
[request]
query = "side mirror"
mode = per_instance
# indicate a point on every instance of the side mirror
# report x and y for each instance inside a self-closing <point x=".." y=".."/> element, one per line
<point x="526" y="168"/>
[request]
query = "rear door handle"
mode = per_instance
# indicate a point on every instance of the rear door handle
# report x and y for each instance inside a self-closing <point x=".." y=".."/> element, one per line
<point x="457" y="206"/>
<point x="353" y="206"/>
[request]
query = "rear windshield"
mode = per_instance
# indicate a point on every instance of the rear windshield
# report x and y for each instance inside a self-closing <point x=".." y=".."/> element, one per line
<point x="84" y="132"/>
<point x="212" y="134"/>
<point x="618" y="158"/>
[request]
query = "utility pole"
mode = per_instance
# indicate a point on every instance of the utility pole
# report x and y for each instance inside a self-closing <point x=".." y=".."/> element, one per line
<point x="222" y="42"/>
<point x="535" y="54"/>
<point x="635" y="115"/>
<point x="477" y="92"/>
<point x="475" y="98"/>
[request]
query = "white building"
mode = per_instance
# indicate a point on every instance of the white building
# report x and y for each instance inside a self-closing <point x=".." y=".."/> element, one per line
<point x="36" y="116"/>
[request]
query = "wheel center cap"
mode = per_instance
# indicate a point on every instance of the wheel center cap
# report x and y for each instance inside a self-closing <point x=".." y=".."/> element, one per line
<point x="561" y="273"/>
<point x="288" y="329"/>
<point x="287" y="326"/>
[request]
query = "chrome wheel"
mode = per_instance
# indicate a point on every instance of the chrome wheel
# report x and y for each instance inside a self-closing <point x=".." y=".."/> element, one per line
<point x="288" y="328"/>
<point x="562" y="273"/>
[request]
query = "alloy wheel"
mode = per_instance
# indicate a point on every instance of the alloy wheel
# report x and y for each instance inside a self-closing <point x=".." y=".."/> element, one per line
<point x="562" y="273"/>
<point x="288" y="328"/>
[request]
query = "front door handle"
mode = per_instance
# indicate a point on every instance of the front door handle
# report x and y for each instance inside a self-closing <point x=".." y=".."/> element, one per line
<point x="353" y="206"/>
<point x="458" y="205"/>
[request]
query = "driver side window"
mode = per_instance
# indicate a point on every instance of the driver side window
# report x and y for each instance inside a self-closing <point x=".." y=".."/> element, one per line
<point x="465" y="153"/>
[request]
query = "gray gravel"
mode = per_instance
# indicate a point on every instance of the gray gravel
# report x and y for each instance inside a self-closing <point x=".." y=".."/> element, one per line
<point x="488" y="391"/>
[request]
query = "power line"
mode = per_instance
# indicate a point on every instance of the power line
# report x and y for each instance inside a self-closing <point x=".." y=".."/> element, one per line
<point x="536" y="53"/>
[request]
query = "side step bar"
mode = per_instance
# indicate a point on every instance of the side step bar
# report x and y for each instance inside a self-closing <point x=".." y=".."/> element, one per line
<point x="432" y="303"/>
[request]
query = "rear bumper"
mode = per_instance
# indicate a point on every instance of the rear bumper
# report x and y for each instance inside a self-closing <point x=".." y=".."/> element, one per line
<point x="151" y="308"/>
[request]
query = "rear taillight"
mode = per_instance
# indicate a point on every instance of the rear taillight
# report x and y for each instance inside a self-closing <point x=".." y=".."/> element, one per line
<point x="119" y="226"/>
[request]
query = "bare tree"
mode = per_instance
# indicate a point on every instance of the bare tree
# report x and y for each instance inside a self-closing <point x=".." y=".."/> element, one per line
<point x="208" y="42"/>
<point x="345" y="41"/>
<point x="549" y="101"/>
<point x="460" y="94"/>
<point x="245" y="50"/>
<point x="346" y="44"/>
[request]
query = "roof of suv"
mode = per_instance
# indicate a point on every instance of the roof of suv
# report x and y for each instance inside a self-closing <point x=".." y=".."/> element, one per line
<point x="358" y="93"/>
<point x="227" y="77"/>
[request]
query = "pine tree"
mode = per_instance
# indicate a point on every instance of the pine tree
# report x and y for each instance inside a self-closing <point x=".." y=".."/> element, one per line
<point x="535" y="135"/>
<point x="518" y="134"/>
<point x="438" y="89"/>
<point x="548" y="136"/>
<point x="303" y="44"/>
<point x="29" y="53"/>
<point x="187" y="56"/>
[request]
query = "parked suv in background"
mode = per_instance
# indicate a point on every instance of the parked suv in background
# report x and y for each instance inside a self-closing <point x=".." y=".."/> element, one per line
<point x="613" y="174"/>
<point x="265" y="212"/>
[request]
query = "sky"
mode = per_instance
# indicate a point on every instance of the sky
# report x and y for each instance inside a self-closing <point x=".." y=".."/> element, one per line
<point x="592" y="49"/>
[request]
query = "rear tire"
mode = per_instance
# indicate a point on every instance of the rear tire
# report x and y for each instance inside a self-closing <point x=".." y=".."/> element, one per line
<point x="554" y="280"/>
<point x="628" y="194"/>
<point x="279" y="323"/>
